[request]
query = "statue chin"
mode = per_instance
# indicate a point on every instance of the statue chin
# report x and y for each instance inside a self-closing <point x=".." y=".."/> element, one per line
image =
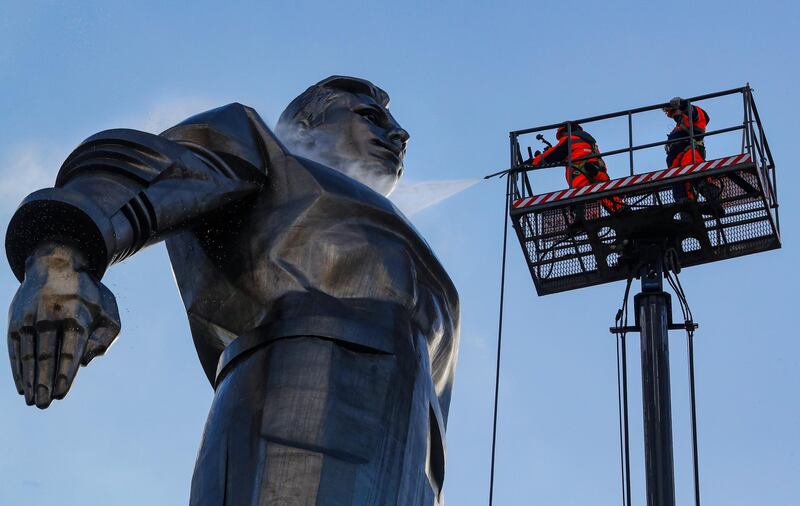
<point x="377" y="176"/>
<point x="380" y="175"/>
<point x="381" y="183"/>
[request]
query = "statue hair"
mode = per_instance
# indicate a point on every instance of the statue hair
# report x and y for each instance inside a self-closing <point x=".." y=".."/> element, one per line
<point x="310" y="106"/>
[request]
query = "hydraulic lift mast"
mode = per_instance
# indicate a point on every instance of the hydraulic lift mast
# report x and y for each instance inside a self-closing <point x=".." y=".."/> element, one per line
<point x="653" y="313"/>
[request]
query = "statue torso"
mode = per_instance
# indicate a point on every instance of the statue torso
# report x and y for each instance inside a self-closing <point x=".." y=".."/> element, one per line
<point x="316" y="253"/>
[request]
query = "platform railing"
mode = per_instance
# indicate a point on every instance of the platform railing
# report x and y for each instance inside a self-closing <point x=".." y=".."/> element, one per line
<point x="754" y="142"/>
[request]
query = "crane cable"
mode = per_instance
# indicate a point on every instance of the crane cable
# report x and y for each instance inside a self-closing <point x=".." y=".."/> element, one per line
<point x="621" y="321"/>
<point x="499" y="335"/>
<point x="672" y="269"/>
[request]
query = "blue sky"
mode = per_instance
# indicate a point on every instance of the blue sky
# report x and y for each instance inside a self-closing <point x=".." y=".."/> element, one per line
<point x="461" y="75"/>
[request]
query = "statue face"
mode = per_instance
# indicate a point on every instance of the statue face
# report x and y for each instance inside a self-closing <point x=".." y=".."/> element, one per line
<point x="360" y="138"/>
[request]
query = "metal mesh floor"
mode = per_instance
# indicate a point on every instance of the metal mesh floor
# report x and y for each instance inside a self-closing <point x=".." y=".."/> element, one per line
<point x="576" y="242"/>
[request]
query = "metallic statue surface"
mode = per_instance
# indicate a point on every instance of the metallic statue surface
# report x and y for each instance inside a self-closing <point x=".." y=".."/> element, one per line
<point x="323" y="320"/>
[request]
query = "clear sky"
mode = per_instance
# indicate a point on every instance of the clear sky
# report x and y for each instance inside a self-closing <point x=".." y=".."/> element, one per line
<point x="461" y="75"/>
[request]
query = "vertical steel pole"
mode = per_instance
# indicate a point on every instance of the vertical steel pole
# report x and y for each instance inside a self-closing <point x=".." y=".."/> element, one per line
<point x="762" y="140"/>
<point x="691" y="128"/>
<point x="630" y="140"/>
<point x="745" y="132"/>
<point x="569" y="153"/>
<point x="769" y="161"/>
<point x="653" y="311"/>
<point x="515" y="161"/>
<point x="749" y="117"/>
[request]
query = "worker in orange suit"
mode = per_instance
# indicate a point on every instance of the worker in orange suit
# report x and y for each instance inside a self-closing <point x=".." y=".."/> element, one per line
<point x="584" y="172"/>
<point x="689" y="119"/>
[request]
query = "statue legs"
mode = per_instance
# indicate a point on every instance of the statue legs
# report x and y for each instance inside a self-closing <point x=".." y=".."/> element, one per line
<point x="310" y="421"/>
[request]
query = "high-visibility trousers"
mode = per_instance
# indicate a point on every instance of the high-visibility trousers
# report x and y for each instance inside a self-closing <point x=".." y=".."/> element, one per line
<point x="686" y="189"/>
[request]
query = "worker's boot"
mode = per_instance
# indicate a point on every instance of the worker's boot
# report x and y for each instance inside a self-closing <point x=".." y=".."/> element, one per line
<point x="578" y="214"/>
<point x="711" y="193"/>
<point x="709" y="190"/>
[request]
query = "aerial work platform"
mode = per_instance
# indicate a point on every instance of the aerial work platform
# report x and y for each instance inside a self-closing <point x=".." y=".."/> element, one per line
<point x="565" y="252"/>
<point x="570" y="240"/>
<point x="647" y="225"/>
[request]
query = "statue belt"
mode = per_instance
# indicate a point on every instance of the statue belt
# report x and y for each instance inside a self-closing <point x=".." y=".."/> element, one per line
<point x="371" y="326"/>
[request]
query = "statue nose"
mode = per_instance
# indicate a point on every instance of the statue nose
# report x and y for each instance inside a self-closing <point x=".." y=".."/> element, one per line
<point x="399" y="135"/>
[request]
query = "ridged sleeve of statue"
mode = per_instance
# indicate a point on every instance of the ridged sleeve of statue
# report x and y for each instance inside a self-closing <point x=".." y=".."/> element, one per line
<point x="122" y="190"/>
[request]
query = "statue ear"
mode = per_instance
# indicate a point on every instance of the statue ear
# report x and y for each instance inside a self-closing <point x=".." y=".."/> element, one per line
<point x="304" y="136"/>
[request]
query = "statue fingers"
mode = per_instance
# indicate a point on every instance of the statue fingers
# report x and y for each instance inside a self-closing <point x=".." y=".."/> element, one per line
<point x="14" y="357"/>
<point x="100" y="340"/>
<point x="27" y="352"/>
<point x="49" y="319"/>
<point x="109" y="312"/>
<point x="46" y="352"/>
<point x="73" y="347"/>
<point x="107" y="326"/>
<point x="21" y="335"/>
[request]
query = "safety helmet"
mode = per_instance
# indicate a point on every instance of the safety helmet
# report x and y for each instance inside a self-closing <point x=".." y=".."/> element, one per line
<point x="673" y="107"/>
<point x="562" y="130"/>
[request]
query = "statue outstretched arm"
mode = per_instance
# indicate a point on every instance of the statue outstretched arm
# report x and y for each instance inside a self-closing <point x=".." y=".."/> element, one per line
<point x="118" y="192"/>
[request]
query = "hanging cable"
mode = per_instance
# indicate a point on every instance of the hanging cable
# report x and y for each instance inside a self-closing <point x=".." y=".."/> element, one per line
<point x="499" y="336"/>
<point x="622" y="396"/>
<point x="673" y="268"/>
<point x="621" y="441"/>
<point x="695" y="464"/>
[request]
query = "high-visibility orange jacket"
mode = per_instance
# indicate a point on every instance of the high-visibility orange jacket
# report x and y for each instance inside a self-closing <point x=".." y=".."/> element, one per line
<point x="584" y="172"/>
<point x="680" y="133"/>
<point x="582" y="144"/>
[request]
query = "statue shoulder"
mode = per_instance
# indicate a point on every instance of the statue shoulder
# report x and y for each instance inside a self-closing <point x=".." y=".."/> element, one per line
<point x="234" y="132"/>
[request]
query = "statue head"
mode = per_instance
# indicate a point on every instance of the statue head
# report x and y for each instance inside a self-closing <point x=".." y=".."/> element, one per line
<point x="345" y="123"/>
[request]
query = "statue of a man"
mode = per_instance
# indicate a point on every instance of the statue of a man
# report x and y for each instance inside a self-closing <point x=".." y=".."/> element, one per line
<point x="326" y="325"/>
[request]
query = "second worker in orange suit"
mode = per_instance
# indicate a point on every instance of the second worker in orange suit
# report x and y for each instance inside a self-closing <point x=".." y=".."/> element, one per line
<point x="584" y="172"/>
<point x="681" y="152"/>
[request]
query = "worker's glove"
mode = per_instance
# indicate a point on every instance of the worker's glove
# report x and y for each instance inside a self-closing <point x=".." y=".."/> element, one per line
<point x="529" y="161"/>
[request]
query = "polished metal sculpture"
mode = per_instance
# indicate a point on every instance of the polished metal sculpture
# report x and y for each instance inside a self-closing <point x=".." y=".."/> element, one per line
<point x="323" y="320"/>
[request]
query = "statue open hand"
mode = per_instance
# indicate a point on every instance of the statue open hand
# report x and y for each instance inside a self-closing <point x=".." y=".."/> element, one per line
<point x="60" y="318"/>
